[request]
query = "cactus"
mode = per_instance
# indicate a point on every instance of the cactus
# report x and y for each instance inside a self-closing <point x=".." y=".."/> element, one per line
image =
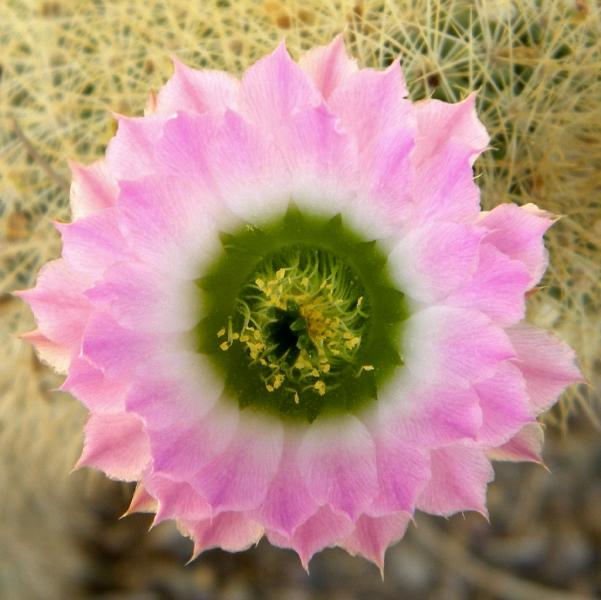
<point x="64" y="66"/>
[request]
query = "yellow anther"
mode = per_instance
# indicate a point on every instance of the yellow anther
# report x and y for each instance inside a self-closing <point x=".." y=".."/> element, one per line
<point x="320" y="386"/>
<point x="296" y="398"/>
<point x="269" y="387"/>
<point x="224" y="346"/>
<point x="221" y="332"/>
<point x="364" y="368"/>
<point x="280" y="274"/>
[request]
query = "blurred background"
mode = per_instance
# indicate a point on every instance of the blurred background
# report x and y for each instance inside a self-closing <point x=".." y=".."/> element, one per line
<point x="65" y="64"/>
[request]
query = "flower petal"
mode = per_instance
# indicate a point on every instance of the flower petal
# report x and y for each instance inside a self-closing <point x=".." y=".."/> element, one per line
<point x="318" y="156"/>
<point x="372" y="111"/>
<point x="427" y="416"/>
<point x="197" y="91"/>
<point x="97" y="392"/>
<point x="505" y="405"/>
<point x="230" y="531"/>
<point x="130" y="154"/>
<point x="526" y="445"/>
<point x="452" y="346"/>
<point x="49" y="352"/>
<point x="117" y="445"/>
<point x="238" y="478"/>
<point x="287" y="503"/>
<point x="229" y="164"/>
<point x="185" y="393"/>
<point x="338" y="463"/>
<point x="93" y="189"/>
<point x="176" y="500"/>
<point x="60" y="309"/>
<point x="274" y="89"/>
<point x="143" y="299"/>
<point x="328" y="66"/>
<point x="434" y="260"/>
<point x="168" y="224"/>
<point x="325" y="528"/>
<point x="370" y="102"/>
<point x="459" y="479"/>
<point x="179" y="452"/>
<point x="547" y="363"/>
<point x="444" y="188"/>
<point x="92" y="244"/>
<point x="373" y="535"/>
<point x="497" y="287"/>
<point x="403" y="470"/>
<point x="440" y="122"/>
<point x="517" y="231"/>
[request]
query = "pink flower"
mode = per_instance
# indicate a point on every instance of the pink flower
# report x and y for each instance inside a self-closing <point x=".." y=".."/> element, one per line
<point x="287" y="315"/>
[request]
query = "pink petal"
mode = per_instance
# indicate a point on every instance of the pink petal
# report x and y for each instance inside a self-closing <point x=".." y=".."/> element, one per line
<point x="58" y="305"/>
<point x="453" y="346"/>
<point x="97" y="392"/>
<point x="434" y="260"/>
<point x="427" y="416"/>
<point x="337" y="460"/>
<point x="274" y="89"/>
<point x="167" y="222"/>
<point x="179" y="452"/>
<point x="444" y="188"/>
<point x="143" y="299"/>
<point x="239" y="478"/>
<point x="120" y="352"/>
<point x="459" y="479"/>
<point x="328" y="66"/>
<point x="197" y="91"/>
<point x="176" y="500"/>
<point x="440" y="122"/>
<point x="372" y="111"/>
<point x="325" y="528"/>
<point x="117" y="445"/>
<point x="49" y="352"/>
<point x="130" y="154"/>
<point x="517" y="231"/>
<point x="93" y="189"/>
<point x="504" y="404"/>
<point x="403" y="470"/>
<point x="287" y="503"/>
<point x="231" y="162"/>
<point x="230" y="531"/>
<point x="526" y="445"/>
<point x="373" y="535"/>
<point x="547" y="363"/>
<point x="141" y="502"/>
<point x="320" y="157"/>
<point x="92" y="244"/>
<point x="370" y="102"/>
<point x="497" y="288"/>
<point x="184" y="394"/>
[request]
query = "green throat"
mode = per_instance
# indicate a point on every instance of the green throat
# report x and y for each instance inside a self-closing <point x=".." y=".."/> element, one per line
<point x="302" y="318"/>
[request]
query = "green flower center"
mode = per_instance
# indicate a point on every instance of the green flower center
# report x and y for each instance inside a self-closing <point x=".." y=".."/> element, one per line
<point x="302" y="318"/>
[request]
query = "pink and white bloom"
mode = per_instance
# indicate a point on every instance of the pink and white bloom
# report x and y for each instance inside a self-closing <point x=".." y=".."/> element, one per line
<point x="286" y="314"/>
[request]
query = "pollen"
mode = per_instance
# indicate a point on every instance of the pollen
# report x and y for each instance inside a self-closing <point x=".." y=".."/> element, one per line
<point x="300" y="320"/>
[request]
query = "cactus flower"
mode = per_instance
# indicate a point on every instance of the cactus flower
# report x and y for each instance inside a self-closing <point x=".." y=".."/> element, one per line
<point x="286" y="313"/>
